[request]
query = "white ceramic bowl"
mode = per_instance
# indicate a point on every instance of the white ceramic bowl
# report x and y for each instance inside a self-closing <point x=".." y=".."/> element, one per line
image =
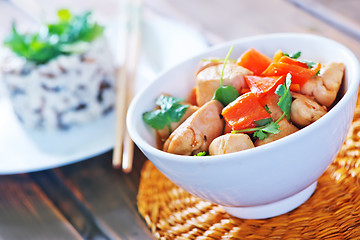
<point x="264" y="181"/>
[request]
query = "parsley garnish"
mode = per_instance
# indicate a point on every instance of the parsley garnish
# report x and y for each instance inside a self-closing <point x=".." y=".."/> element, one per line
<point x="171" y="110"/>
<point x="310" y="64"/>
<point x="63" y="37"/>
<point x="294" y="56"/>
<point x="225" y="94"/>
<point x="262" y="131"/>
<point x="272" y="127"/>
<point x="266" y="126"/>
<point x="285" y="96"/>
<point x="200" y="154"/>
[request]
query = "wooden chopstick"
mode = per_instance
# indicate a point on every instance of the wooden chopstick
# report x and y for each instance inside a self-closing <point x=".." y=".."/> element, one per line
<point x="124" y="147"/>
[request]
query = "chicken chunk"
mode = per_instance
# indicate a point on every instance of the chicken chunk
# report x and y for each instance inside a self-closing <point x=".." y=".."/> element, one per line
<point x="164" y="133"/>
<point x="325" y="86"/>
<point x="230" y="143"/>
<point x="305" y="111"/>
<point x="208" y="80"/>
<point x="208" y="63"/>
<point x="271" y="101"/>
<point x="198" y="131"/>
<point x="286" y="129"/>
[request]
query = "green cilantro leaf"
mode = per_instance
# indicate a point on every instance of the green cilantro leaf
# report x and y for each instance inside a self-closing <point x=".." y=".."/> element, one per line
<point x="171" y="110"/>
<point x="285" y="96"/>
<point x="156" y="119"/>
<point x="200" y="154"/>
<point x="54" y="39"/>
<point x="310" y="64"/>
<point x="225" y="94"/>
<point x="263" y="122"/>
<point x="294" y="56"/>
<point x="267" y="109"/>
<point x="260" y="134"/>
<point x="271" y="127"/>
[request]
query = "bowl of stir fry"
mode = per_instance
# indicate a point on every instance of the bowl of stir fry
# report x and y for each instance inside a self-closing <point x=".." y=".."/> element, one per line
<point x="251" y="124"/>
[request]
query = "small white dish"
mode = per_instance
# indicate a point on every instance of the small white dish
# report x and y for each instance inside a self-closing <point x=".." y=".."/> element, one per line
<point x="268" y="180"/>
<point x="24" y="151"/>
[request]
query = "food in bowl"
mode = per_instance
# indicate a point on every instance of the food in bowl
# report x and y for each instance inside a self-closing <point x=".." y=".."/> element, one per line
<point x="261" y="100"/>
<point x="270" y="179"/>
<point x="62" y="76"/>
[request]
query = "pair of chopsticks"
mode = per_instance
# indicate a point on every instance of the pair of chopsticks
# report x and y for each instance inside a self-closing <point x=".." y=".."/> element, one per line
<point x="123" y="153"/>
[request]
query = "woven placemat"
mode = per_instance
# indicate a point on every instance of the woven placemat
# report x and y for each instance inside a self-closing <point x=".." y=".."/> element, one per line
<point x="333" y="212"/>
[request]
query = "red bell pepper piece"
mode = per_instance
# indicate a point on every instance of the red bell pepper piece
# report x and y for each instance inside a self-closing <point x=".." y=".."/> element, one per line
<point x="262" y="85"/>
<point x="285" y="59"/>
<point x="254" y="61"/>
<point x="299" y="75"/>
<point x="244" y="90"/>
<point x="294" y="87"/>
<point x="244" y="111"/>
<point x="278" y="55"/>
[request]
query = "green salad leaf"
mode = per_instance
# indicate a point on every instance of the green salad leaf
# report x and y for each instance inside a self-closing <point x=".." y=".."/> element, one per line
<point x="171" y="110"/>
<point x="225" y="94"/>
<point x="54" y="39"/>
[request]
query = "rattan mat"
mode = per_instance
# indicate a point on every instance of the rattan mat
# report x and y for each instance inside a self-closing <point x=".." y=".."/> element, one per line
<point x="333" y="212"/>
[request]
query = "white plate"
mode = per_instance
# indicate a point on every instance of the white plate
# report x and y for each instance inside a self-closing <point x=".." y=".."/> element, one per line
<point x="164" y="43"/>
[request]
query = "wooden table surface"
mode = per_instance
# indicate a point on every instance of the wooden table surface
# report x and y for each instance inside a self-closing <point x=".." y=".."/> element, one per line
<point x="90" y="199"/>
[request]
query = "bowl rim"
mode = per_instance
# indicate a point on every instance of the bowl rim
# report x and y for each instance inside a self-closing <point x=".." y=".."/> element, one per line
<point x="243" y="155"/>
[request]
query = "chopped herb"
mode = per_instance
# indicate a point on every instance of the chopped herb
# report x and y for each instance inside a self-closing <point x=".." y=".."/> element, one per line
<point x="171" y="110"/>
<point x="225" y="94"/>
<point x="294" y="56"/>
<point x="267" y="109"/>
<point x="200" y="154"/>
<point x="262" y="131"/>
<point x="310" y="64"/>
<point x="271" y="127"/>
<point x="260" y="134"/>
<point x="55" y="39"/>
<point x="263" y="122"/>
<point x="285" y="96"/>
